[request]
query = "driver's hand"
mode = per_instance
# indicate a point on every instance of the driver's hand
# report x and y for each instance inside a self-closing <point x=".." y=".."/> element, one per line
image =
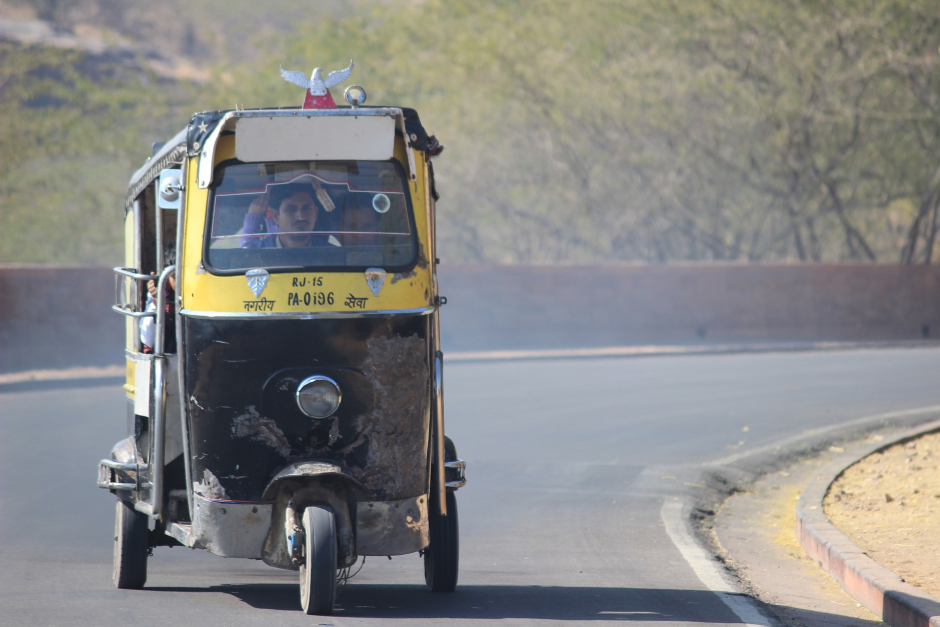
<point x="259" y="205"/>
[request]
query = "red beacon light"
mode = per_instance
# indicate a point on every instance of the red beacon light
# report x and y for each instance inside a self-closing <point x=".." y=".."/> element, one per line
<point x="318" y="89"/>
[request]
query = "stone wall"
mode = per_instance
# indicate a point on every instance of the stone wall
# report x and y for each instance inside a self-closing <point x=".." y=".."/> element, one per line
<point x="53" y="317"/>
<point x="56" y="316"/>
<point x="587" y="306"/>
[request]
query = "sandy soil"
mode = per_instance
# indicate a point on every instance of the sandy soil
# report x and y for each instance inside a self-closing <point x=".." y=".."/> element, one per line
<point x="889" y="505"/>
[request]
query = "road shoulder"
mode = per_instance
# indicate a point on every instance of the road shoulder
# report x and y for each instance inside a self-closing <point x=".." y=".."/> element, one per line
<point x="746" y="473"/>
<point x="755" y="538"/>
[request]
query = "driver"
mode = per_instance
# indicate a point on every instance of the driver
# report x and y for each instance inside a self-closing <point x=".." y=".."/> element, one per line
<point x="292" y="213"/>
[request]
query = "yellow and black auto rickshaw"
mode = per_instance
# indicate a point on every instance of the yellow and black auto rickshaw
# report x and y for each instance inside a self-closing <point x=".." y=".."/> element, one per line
<point x="284" y="368"/>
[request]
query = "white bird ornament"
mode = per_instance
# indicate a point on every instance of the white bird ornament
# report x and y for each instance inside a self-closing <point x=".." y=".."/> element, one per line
<point x="318" y="90"/>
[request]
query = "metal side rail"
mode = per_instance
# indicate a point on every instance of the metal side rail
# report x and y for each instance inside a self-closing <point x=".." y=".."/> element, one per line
<point x="106" y="469"/>
<point x="460" y="467"/>
<point x="132" y="313"/>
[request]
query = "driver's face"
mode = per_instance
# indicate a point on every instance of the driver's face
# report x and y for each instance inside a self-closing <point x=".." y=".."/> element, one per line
<point x="297" y="213"/>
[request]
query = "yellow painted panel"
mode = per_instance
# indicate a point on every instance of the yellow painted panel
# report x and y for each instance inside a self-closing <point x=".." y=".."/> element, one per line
<point x="131" y="378"/>
<point x="302" y="292"/>
<point x="193" y="227"/>
<point x="129" y="323"/>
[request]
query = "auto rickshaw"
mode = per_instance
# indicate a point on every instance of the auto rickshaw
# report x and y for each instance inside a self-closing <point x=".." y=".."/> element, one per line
<point x="285" y="401"/>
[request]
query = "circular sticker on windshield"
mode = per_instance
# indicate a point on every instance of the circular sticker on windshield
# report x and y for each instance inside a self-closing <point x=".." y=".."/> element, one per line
<point x="381" y="203"/>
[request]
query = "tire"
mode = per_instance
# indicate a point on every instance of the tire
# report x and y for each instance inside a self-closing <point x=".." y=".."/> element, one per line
<point x="318" y="572"/>
<point x="131" y="547"/>
<point x="443" y="553"/>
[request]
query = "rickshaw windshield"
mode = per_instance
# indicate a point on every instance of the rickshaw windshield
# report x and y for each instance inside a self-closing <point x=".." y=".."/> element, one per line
<point x="351" y="214"/>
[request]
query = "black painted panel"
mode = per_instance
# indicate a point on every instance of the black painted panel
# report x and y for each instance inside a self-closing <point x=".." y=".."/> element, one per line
<point x="240" y="380"/>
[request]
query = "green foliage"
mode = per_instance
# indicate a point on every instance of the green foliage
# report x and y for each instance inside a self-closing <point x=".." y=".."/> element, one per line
<point x="576" y="132"/>
<point x="73" y="127"/>
<point x="636" y="130"/>
<point x="827" y="115"/>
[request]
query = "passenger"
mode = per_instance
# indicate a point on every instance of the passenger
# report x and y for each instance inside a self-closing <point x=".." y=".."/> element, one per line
<point x="361" y="226"/>
<point x="148" y="324"/>
<point x="291" y="217"/>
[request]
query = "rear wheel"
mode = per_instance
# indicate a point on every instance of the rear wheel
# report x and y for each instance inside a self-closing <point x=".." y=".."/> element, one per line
<point x="318" y="571"/>
<point x="130" y="547"/>
<point x="442" y="555"/>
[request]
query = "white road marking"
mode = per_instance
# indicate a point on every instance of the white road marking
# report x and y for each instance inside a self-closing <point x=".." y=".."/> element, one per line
<point x="705" y="568"/>
<point x="664" y="350"/>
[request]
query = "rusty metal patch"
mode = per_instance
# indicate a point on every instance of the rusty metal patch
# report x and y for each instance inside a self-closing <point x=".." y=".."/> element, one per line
<point x="256" y="427"/>
<point x="209" y="487"/>
<point x="400" y="276"/>
<point x="392" y="527"/>
<point x="397" y="431"/>
<point x="422" y="261"/>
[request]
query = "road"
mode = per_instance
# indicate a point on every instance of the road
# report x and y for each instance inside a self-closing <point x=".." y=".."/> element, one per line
<point x="569" y="464"/>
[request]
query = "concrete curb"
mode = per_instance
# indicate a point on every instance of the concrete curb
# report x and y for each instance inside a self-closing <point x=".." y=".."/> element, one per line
<point x="721" y="478"/>
<point x="882" y="591"/>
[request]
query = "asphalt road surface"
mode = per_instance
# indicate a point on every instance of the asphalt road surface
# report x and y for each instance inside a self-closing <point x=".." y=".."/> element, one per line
<point x="569" y="464"/>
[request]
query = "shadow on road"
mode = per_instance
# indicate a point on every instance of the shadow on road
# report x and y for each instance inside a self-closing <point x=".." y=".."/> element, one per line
<point x="517" y="602"/>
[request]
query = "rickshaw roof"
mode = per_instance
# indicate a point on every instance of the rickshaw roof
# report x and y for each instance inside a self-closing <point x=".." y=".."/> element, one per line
<point x="188" y="141"/>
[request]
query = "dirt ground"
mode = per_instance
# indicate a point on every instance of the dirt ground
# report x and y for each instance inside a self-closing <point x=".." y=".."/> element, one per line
<point x="889" y="505"/>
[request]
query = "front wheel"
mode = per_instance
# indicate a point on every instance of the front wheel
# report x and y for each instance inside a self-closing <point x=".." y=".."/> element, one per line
<point x="318" y="571"/>
<point x="442" y="554"/>
<point x="130" y="547"/>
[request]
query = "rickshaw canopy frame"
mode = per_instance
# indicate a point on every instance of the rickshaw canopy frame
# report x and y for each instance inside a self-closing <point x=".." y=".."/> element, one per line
<point x="229" y="122"/>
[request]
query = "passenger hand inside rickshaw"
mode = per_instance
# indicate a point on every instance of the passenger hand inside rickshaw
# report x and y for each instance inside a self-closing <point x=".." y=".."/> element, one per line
<point x="148" y="324"/>
<point x="289" y="214"/>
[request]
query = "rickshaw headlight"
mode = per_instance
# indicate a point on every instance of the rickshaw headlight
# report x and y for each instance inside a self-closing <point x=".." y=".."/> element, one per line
<point x="318" y="396"/>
